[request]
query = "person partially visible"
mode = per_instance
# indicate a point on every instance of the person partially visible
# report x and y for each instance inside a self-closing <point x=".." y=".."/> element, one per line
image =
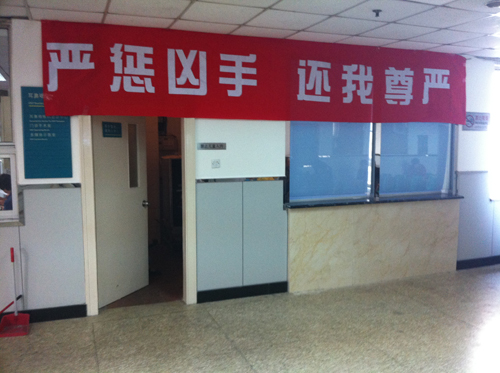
<point x="6" y="186"/>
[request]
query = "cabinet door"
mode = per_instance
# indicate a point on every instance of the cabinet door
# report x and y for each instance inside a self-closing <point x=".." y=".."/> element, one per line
<point x="264" y="233"/>
<point x="219" y="230"/>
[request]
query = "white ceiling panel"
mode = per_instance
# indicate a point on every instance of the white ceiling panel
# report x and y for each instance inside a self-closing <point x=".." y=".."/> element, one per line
<point x="346" y="26"/>
<point x="359" y="40"/>
<point x="317" y="6"/>
<point x="118" y="19"/>
<point x="401" y="32"/>
<point x="256" y="3"/>
<point x="455" y="49"/>
<point x="149" y="8"/>
<point x="78" y="5"/>
<point x="12" y="11"/>
<point x="475" y="5"/>
<point x="216" y="28"/>
<point x="484" y="42"/>
<point x="285" y="20"/>
<point x="442" y="18"/>
<point x="66" y="15"/>
<point x="434" y="2"/>
<point x="220" y="13"/>
<point x="492" y="53"/>
<point x="263" y="32"/>
<point x="447" y="37"/>
<point x="391" y="10"/>
<point x="411" y="45"/>
<point x="489" y="25"/>
<point x="317" y="36"/>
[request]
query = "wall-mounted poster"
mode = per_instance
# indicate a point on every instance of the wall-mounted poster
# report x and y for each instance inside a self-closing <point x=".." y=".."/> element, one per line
<point x="47" y="139"/>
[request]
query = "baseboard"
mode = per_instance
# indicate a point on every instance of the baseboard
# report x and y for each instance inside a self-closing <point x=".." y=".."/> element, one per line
<point x="242" y="292"/>
<point x="480" y="262"/>
<point x="56" y="313"/>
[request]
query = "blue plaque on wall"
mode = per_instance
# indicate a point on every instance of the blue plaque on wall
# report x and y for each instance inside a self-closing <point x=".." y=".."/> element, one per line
<point x="47" y="140"/>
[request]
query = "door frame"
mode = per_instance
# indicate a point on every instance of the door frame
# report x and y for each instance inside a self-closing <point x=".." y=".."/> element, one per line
<point x="188" y="214"/>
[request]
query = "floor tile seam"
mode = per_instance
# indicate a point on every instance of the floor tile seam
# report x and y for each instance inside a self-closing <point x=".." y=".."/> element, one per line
<point x="232" y="342"/>
<point x="441" y="311"/>
<point x="95" y="350"/>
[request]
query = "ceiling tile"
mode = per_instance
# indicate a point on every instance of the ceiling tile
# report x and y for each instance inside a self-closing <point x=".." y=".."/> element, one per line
<point x="483" y="42"/>
<point x="359" y="40"/>
<point x="216" y="28"/>
<point x="346" y="26"/>
<point x="118" y="19"/>
<point x="393" y="30"/>
<point x="489" y="25"/>
<point x="442" y="17"/>
<point x="492" y="53"/>
<point x="434" y="2"/>
<point x="263" y="32"/>
<point x="391" y="10"/>
<point x="285" y="20"/>
<point x="12" y="11"/>
<point x="255" y="3"/>
<point x="411" y="45"/>
<point x="220" y="13"/>
<point x="65" y="15"/>
<point x="447" y="37"/>
<point x="149" y="8"/>
<point x="475" y="5"/>
<point x="78" y="5"/>
<point x="317" y="36"/>
<point x="317" y="6"/>
<point x="453" y="49"/>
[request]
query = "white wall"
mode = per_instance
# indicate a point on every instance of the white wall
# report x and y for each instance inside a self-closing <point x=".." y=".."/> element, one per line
<point x="253" y="148"/>
<point x="26" y="71"/>
<point x="472" y="145"/>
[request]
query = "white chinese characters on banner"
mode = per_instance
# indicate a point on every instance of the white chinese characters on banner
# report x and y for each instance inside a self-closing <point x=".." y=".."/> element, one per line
<point x="175" y="84"/>
<point x="238" y="70"/>
<point x="136" y="77"/>
<point x="318" y="80"/>
<point x="365" y="82"/>
<point x="398" y="86"/>
<point x="79" y="60"/>
<point x="435" y="78"/>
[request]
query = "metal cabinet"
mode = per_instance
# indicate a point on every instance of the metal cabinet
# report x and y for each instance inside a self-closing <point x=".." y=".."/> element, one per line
<point x="241" y="234"/>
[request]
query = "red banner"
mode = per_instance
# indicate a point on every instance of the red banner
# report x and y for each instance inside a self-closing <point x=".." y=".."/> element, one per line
<point x="96" y="69"/>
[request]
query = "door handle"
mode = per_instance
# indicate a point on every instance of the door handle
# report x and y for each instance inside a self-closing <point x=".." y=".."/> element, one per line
<point x="145" y="203"/>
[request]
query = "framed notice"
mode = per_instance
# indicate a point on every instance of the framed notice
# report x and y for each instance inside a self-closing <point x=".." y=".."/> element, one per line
<point x="47" y="139"/>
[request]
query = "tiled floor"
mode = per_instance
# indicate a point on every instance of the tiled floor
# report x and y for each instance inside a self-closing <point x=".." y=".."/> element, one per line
<point x="441" y="323"/>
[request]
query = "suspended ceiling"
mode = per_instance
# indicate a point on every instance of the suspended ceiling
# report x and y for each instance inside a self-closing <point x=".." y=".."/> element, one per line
<point x="457" y="26"/>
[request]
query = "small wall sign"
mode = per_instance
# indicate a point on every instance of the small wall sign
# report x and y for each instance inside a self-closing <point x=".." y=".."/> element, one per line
<point x="212" y="146"/>
<point x="111" y="129"/>
<point x="476" y="121"/>
<point x="47" y="139"/>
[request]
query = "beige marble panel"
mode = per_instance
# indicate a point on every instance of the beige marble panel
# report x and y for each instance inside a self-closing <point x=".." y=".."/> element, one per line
<point x="319" y="244"/>
<point x="341" y="246"/>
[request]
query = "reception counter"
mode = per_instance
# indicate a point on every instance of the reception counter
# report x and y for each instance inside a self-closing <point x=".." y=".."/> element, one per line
<point x="362" y="243"/>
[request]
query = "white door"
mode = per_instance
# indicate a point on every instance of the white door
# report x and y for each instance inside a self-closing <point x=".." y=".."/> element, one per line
<point x="119" y="145"/>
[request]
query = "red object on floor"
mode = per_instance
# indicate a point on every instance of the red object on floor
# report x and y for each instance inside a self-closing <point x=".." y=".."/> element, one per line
<point x="15" y="326"/>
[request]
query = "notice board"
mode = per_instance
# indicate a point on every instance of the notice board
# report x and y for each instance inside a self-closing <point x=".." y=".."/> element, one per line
<point x="47" y="139"/>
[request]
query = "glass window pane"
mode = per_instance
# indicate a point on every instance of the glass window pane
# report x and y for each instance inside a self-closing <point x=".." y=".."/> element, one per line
<point x="415" y="158"/>
<point x="329" y="160"/>
<point x="132" y="156"/>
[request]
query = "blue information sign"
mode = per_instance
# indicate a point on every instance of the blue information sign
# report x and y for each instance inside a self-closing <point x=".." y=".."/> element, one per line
<point x="111" y="129"/>
<point x="47" y="140"/>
